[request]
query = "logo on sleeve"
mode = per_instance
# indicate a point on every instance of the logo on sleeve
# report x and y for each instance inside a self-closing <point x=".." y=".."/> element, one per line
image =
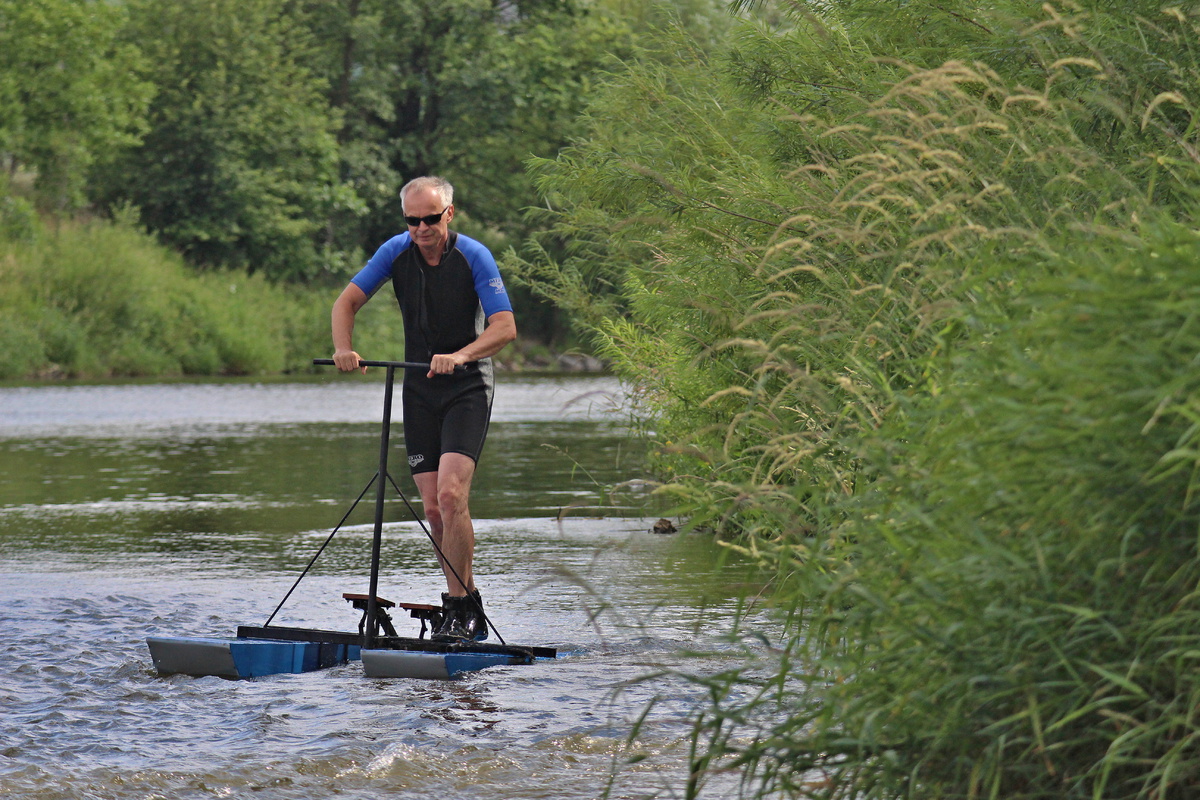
<point x="497" y="283"/>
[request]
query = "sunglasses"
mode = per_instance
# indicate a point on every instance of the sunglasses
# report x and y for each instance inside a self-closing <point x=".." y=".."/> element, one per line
<point x="430" y="220"/>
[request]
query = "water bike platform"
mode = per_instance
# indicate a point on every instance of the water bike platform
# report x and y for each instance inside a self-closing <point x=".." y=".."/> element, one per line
<point x="271" y="650"/>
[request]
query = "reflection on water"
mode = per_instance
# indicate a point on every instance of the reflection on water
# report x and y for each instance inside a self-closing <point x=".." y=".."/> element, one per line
<point x="128" y="511"/>
<point x="233" y="490"/>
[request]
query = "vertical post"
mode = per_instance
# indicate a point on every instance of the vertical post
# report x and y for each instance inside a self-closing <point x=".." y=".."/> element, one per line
<point x="380" y="491"/>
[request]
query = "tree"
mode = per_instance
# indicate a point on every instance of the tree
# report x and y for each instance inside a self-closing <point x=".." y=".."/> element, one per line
<point x="239" y="167"/>
<point x="69" y="92"/>
<point x="468" y="89"/>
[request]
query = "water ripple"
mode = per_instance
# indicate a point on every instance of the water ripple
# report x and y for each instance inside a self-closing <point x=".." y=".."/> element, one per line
<point x="194" y="526"/>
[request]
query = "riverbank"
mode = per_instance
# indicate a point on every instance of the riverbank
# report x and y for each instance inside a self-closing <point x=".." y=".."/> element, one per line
<point x="96" y="300"/>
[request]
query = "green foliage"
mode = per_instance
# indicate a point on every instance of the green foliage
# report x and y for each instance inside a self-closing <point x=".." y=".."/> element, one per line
<point x="69" y="95"/>
<point x="18" y="218"/>
<point x="272" y="135"/>
<point x="137" y="310"/>
<point x="239" y="167"/>
<point x="923" y="334"/>
<point x="807" y="290"/>
<point x="467" y="89"/>
<point x="1019" y="618"/>
<point x="647" y="176"/>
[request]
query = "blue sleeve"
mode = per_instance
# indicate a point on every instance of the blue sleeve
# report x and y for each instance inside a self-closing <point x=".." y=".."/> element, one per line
<point x="488" y="283"/>
<point x="378" y="270"/>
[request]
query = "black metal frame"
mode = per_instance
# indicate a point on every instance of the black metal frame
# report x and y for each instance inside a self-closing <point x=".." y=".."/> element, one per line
<point x="369" y="628"/>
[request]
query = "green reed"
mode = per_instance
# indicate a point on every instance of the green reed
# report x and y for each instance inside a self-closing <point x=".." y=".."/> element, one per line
<point x="948" y="398"/>
<point x="995" y="452"/>
<point x="1015" y="615"/>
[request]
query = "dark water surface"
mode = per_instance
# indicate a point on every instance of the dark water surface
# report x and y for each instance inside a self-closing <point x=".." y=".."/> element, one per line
<point x="160" y="509"/>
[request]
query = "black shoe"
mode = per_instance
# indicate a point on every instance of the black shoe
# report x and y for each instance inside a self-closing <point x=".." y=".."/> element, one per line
<point x="475" y="622"/>
<point x="450" y="628"/>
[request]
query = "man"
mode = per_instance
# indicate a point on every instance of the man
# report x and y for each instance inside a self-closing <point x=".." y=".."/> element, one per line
<point x="448" y="287"/>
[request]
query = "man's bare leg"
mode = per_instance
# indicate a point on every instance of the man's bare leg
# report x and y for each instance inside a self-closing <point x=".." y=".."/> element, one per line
<point x="445" y="495"/>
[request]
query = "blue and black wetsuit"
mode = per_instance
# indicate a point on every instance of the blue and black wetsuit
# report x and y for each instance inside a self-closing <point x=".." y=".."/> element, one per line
<point x="444" y="309"/>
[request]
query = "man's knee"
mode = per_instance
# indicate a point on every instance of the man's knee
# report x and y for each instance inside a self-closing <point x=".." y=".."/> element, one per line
<point x="433" y="515"/>
<point x="452" y="500"/>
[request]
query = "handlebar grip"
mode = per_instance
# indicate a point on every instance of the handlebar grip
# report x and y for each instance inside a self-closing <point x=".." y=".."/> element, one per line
<point x="328" y="362"/>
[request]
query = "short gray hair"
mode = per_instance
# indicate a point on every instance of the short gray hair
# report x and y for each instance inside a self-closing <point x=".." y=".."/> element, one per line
<point x="440" y="185"/>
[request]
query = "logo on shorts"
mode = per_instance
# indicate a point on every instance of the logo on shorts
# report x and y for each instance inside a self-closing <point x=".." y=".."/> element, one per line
<point x="414" y="460"/>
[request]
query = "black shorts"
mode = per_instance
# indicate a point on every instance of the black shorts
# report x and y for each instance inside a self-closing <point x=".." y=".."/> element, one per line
<point x="446" y="414"/>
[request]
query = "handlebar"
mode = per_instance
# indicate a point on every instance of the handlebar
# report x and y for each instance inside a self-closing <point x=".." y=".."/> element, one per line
<point x="328" y="362"/>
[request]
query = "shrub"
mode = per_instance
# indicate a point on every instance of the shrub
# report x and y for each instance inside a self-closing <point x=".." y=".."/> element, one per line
<point x="96" y="299"/>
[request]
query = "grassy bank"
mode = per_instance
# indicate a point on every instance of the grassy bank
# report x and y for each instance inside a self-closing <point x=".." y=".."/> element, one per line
<point x="97" y="300"/>
<point x="100" y="300"/>
<point x="1004" y="605"/>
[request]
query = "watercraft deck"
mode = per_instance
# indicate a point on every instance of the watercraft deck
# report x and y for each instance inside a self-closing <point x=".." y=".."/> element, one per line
<point x="391" y="642"/>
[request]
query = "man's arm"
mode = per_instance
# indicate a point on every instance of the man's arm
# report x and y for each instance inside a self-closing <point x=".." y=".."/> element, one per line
<point x="345" y="308"/>
<point x="501" y="329"/>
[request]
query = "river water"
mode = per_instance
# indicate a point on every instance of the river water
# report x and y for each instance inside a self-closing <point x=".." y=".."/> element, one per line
<point x="139" y="510"/>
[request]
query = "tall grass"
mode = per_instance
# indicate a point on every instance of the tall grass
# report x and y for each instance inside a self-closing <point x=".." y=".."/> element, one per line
<point x="948" y="396"/>
<point x="94" y="300"/>
<point x="1016" y="613"/>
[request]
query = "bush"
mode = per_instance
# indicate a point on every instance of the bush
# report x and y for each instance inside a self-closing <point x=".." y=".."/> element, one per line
<point x="22" y="348"/>
<point x="18" y="219"/>
<point x="91" y="300"/>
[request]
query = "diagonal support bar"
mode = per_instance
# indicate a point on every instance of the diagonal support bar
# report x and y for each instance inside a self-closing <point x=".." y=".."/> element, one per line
<point x="321" y="549"/>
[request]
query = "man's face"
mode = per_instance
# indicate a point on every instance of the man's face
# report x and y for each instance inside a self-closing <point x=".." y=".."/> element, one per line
<point x="424" y="203"/>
